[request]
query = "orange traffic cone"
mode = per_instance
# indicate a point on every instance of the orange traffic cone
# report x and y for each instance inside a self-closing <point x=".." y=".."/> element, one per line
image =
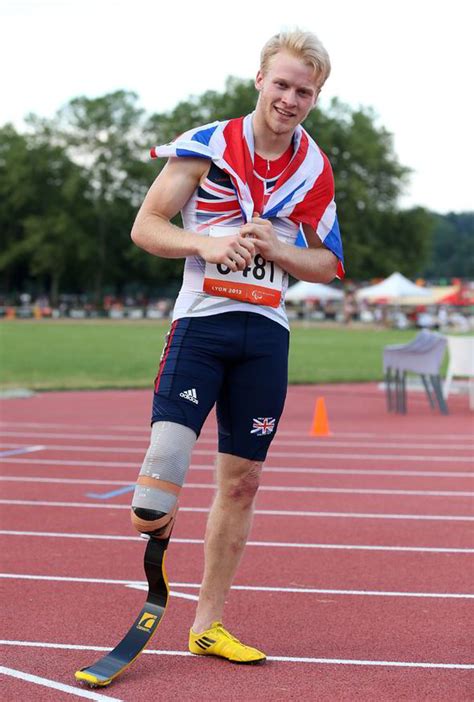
<point x="320" y="426"/>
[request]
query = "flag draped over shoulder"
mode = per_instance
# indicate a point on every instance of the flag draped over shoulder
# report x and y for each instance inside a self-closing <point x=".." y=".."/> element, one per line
<point x="304" y="193"/>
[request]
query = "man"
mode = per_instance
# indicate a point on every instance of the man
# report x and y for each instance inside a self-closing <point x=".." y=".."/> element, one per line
<point x="245" y="188"/>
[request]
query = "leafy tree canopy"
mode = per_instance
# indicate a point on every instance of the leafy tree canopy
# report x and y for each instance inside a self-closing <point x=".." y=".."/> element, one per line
<point x="452" y="247"/>
<point x="70" y="188"/>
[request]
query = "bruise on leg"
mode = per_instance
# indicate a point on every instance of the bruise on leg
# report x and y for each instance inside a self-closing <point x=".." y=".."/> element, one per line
<point x="241" y="482"/>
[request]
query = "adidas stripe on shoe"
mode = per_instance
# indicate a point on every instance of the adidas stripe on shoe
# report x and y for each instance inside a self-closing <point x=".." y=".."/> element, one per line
<point x="217" y="641"/>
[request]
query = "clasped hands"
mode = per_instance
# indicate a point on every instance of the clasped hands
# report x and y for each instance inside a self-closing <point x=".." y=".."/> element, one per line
<point x="237" y="250"/>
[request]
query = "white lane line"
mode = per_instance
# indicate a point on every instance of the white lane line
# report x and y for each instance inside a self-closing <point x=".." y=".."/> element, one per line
<point x="86" y="505"/>
<point x="265" y="512"/>
<point x="384" y="664"/>
<point x="280" y="659"/>
<point x="333" y="442"/>
<point x="310" y="488"/>
<point x="246" y="588"/>
<point x="365" y="491"/>
<point x="271" y="469"/>
<point x="361" y="456"/>
<point x="356" y="491"/>
<point x="264" y="544"/>
<point x="314" y="591"/>
<point x="137" y="428"/>
<point x="374" y="435"/>
<point x="173" y="593"/>
<point x="46" y="682"/>
<point x="209" y="432"/>
<point x="60" y="481"/>
<point x="67" y="448"/>
<point x="267" y="469"/>
<point x="61" y="462"/>
<point x="77" y="435"/>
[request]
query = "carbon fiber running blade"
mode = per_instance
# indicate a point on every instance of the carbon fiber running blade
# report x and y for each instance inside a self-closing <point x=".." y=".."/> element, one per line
<point x="103" y="671"/>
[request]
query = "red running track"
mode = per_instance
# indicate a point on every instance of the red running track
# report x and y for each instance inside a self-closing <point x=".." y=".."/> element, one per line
<point x="357" y="580"/>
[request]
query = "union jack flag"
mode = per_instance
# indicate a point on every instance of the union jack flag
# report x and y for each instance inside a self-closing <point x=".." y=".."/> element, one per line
<point x="304" y="193"/>
<point x="263" y="426"/>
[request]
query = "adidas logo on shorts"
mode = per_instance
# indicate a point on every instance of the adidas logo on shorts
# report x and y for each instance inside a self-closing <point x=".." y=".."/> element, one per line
<point x="190" y="395"/>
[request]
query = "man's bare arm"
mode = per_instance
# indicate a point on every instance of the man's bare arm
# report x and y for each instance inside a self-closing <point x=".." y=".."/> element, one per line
<point x="153" y="231"/>
<point x="315" y="264"/>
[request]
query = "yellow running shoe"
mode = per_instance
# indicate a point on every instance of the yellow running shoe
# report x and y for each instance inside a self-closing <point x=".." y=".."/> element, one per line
<point x="217" y="641"/>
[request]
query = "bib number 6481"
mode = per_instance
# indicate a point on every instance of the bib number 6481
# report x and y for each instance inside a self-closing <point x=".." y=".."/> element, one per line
<point x="258" y="270"/>
<point x="259" y="283"/>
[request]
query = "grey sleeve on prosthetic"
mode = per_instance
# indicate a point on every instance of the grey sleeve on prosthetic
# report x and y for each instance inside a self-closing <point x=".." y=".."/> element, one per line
<point x="167" y="459"/>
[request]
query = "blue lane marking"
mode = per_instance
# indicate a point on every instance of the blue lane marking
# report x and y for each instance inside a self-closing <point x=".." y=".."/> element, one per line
<point x="113" y="493"/>
<point x="17" y="451"/>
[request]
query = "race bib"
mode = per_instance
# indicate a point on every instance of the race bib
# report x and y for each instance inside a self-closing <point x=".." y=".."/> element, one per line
<point x="260" y="283"/>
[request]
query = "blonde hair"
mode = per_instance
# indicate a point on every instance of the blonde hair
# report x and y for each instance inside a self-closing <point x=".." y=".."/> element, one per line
<point x="305" y="46"/>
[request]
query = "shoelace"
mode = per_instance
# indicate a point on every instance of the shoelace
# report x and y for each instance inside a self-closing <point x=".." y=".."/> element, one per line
<point x="224" y="631"/>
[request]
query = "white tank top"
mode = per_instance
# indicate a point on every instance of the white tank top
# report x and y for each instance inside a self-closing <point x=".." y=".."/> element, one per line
<point x="213" y="203"/>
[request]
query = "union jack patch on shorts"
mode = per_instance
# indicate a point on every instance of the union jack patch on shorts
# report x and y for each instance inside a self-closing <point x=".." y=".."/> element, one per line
<point x="263" y="426"/>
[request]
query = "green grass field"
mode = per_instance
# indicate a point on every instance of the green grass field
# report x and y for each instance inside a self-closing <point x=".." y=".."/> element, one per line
<point x="58" y="355"/>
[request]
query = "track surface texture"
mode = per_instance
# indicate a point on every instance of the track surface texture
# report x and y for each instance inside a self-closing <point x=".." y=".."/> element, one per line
<point x="356" y="582"/>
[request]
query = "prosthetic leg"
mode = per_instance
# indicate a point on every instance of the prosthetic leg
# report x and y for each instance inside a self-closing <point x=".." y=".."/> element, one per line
<point x="103" y="671"/>
<point x="154" y="509"/>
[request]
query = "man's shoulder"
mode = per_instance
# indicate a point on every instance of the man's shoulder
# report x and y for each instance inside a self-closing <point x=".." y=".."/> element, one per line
<point x="203" y="132"/>
<point x="317" y="156"/>
<point x="313" y="144"/>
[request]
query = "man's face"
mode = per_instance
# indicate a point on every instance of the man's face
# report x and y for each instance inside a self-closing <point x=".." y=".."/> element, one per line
<point x="288" y="90"/>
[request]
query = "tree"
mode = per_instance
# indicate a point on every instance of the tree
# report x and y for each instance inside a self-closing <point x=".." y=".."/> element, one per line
<point x="41" y="193"/>
<point x="70" y="188"/>
<point x="378" y="237"/>
<point x="16" y="196"/>
<point x="105" y="136"/>
<point x="237" y="99"/>
<point x="452" y="252"/>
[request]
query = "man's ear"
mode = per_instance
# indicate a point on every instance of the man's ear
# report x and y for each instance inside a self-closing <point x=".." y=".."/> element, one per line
<point x="316" y="96"/>
<point x="259" y="80"/>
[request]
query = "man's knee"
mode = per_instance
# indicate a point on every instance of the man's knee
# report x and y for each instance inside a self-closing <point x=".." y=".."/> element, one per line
<point x="242" y="485"/>
<point x="155" y="500"/>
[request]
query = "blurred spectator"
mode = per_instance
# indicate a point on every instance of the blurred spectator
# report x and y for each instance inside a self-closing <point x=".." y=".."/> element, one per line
<point x="350" y="307"/>
<point x="443" y="317"/>
<point x="460" y="322"/>
<point x="426" y="320"/>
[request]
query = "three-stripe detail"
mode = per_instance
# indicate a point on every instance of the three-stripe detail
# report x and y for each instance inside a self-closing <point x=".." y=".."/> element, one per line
<point x="204" y="642"/>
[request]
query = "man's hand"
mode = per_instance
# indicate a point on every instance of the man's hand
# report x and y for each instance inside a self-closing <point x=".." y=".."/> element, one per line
<point x="262" y="234"/>
<point x="233" y="251"/>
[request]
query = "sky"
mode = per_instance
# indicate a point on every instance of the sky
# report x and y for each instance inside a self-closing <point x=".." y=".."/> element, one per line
<point x="411" y="61"/>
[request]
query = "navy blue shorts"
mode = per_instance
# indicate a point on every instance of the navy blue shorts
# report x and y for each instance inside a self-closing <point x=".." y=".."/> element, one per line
<point x="237" y="361"/>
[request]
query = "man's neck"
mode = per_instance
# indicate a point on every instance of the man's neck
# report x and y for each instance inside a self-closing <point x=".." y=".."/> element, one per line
<point x="268" y="144"/>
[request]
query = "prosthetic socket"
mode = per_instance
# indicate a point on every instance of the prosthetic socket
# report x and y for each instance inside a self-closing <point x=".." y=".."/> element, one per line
<point x="162" y="475"/>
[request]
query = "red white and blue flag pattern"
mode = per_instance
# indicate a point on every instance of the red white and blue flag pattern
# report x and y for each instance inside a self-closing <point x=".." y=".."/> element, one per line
<point x="216" y="201"/>
<point x="304" y="193"/>
<point x="263" y="426"/>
